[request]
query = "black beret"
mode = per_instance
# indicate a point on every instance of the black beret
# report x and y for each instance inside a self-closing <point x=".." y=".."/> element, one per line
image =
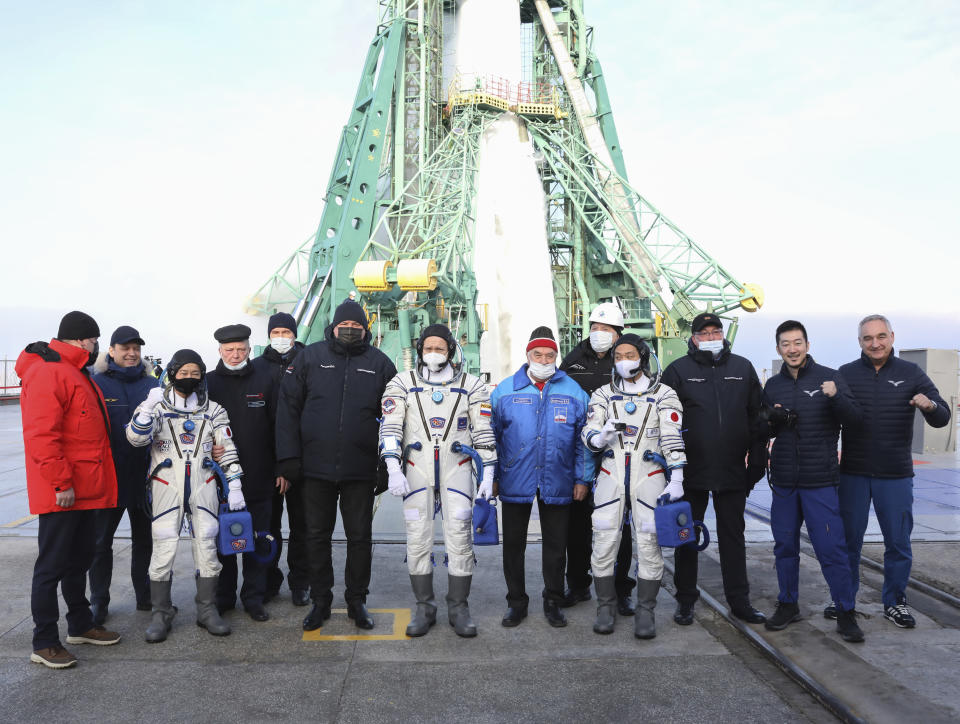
<point x="232" y="333"/>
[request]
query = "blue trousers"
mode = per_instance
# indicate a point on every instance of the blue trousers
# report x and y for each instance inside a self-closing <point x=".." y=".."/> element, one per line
<point x="820" y="509"/>
<point x="893" y="504"/>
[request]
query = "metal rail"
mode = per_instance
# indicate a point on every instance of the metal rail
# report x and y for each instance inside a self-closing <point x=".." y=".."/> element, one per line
<point x="921" y="586"/>
<point x="800" y="675"/>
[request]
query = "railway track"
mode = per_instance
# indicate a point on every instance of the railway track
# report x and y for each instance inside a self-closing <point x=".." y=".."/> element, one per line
<point x="928" y="599"/>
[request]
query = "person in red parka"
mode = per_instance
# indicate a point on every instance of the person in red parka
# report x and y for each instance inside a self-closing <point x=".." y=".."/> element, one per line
<point x="70" y="474"/>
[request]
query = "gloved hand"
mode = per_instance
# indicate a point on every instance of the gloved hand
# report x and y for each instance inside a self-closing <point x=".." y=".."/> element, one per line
<point x="396" y="481"/>
<point x="290" y="469"/>
<point x="485" y="490"/>
<point x="606" y="435"/>
<point x="235" y="496"/>
<point x="674" y="490"/>
<point x="154" y="398"/>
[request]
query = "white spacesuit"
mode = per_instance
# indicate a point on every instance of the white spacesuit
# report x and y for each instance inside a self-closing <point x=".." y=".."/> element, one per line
<point x="424" y="414"/>
<point x="182" y="432"/>
<point x="625" y="420"/>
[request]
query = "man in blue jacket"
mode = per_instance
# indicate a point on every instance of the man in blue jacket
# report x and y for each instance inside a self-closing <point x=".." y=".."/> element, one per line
<point x="125" y="383"/>
<point x="876" y="463"/>
<point x="805" y="405"/>
<point x="538" y="415"/>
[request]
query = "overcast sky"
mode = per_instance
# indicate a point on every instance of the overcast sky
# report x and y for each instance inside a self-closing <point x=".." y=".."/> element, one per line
<point x="159" y="160"/>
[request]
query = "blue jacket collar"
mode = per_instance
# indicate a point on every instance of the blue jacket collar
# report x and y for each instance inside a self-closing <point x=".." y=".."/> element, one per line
<point x="126" y="373"/>
<point x="521" y="379"/>
<point x="805" y="368"/>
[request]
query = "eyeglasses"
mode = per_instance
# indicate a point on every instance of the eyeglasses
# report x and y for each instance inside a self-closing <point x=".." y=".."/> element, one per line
<point x="709" y="334"/>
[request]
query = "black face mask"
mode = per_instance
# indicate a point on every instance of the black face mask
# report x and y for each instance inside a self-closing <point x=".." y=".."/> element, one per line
<point x="93" y="355"/>
<point x="186" y="385"/>
<point x="349" y="336"/>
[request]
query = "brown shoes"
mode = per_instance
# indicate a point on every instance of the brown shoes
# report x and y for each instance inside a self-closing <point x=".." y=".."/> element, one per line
<point x="55" y="657"/>
<point x="98" y="635"/>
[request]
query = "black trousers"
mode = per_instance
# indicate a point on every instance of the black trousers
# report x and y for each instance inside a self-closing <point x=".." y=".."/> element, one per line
<point x="728" y="506"/>
<point x="580" y="548"/>
<point x="101" y="570"/>
<point x="299" y="577"/>
<point x="66" y="541"/>
<point x="254" y="574"/>
<point x="553" y="528"/>
<point x="320" y="499"/>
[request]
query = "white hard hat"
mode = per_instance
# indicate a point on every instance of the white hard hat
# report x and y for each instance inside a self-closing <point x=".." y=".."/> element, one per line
<point x="607" y="313"/>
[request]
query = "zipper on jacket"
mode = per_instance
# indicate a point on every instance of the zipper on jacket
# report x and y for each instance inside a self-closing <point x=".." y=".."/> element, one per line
<point x="716" y="393"/>
<point x="343" y="400"/>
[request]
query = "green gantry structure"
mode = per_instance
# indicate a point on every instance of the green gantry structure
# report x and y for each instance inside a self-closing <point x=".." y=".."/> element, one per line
<point x="397" y="229"/>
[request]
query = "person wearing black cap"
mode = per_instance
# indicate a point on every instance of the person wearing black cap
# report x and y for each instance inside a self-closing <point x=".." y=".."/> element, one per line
<point x="590" y="364"/>
<point x="284" y="347"/>
<point x="70" y="475"/>
<point x="721" y="395"/>
<point x="125" y="382"/>
<point x="248" y="393"/>
<point x="538" y="415"/>
<point x="181" y="425"/>
<point x="327" y="432"/>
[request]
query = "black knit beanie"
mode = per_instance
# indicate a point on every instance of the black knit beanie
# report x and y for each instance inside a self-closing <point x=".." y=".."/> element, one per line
<point x="77" y="325"/>
<point x="350" y="311"/>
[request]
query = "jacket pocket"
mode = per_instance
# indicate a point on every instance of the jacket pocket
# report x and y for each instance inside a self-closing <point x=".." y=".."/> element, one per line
<point x="89" y="481"/>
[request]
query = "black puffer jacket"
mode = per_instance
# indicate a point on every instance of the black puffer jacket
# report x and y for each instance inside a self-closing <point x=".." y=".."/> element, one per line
<point x="587" y="369"/>
<point x="328" y="409"/>
<point x="250" y="398"/>
<point x="277" y="363"/>
<point x="880" y="447"/>
<point x="721" y="401"/>
<point x="805" y="456"/>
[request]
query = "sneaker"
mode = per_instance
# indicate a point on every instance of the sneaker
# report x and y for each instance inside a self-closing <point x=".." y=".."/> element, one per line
<point x="785" y="615"/>
<point x="830" y="612"/>
<point x="98" y="635"/>
<point x="847" y="626"/>
<point x="55" y="657"/>
<point x="900" y="615"/>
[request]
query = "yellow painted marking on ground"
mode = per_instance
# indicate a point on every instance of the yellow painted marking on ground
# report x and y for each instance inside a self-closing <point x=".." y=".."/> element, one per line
<point x="401" y="619"/>
<point x="18" y="521"/>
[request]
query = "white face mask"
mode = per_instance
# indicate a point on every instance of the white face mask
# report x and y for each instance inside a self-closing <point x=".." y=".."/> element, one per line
<point x="627" y="368"/>
<point x="713" y="346"/>
<point x="281" y="344"/>
<point x="543" y="371"/>
<point x="601" y="341"/>
<point x="434" y="361"/>
<point x="234" y="368"/>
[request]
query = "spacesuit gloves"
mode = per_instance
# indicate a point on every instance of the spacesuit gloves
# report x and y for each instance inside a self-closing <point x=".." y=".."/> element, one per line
<point x="674" y="490"/>
<point x="154" y="398"/>
<point x="396" y="480"/>
<point x="485" y="490"/>
<point x="606" y="435"/>
<point x="235" y="496"/>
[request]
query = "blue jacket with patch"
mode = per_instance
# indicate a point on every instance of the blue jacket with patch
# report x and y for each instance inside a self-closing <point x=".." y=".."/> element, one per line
<point x="538" y="438"/>
<point x="124" y="388"/>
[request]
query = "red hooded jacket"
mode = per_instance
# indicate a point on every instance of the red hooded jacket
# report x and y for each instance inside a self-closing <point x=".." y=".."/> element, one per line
<point x="66" y="435"/>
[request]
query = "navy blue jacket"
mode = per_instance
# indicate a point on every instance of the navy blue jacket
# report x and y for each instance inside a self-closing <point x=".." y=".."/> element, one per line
<point x="124" y="388"/>
<point x="880" y="447"/>
<point x="721" y="401"/>
<point x="806" y="455"/>
<point x="249" y="395"/>
<point x="538" y="438"/>
<point x="329" y="408"/>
